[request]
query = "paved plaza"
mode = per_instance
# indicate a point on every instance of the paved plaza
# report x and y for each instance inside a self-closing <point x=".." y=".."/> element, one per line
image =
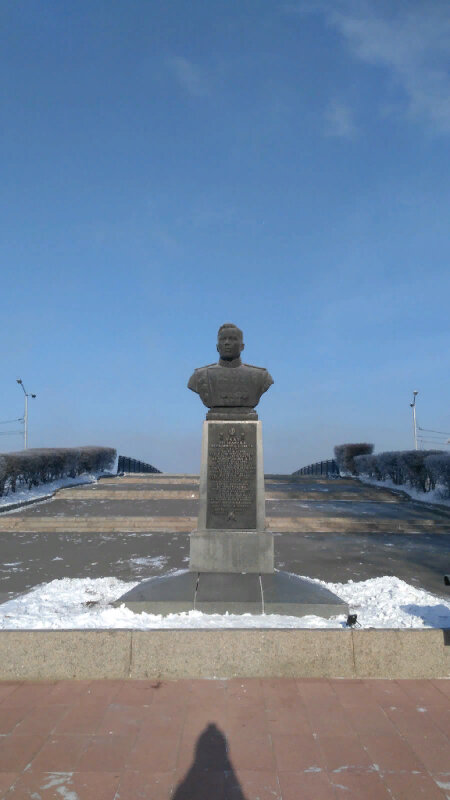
<point x="279" y="739"/>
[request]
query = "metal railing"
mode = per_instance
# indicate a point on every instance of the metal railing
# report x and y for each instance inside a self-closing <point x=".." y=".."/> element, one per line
<point x="126" y="464"/>
<point x="326" y="468"/>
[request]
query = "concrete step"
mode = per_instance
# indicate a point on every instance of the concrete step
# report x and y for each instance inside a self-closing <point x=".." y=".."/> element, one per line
<point x="303" y="524"/>
<point x="155" y="493"/>
<point x="39" y="655"/>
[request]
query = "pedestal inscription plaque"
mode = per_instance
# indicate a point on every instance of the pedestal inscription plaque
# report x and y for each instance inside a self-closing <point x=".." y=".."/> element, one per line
<point x="231" y="534"/>
<point x="231" y="476"/>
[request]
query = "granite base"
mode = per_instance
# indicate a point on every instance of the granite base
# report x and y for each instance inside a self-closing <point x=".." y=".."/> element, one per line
<point x="233" y="593"/>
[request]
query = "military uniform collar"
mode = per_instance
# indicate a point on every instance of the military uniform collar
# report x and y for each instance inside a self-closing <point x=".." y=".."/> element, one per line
<point x="236" y="362"/>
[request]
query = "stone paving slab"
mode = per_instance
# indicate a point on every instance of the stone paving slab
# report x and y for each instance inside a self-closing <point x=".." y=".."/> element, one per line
<point x="129" y="494"/>
<point x="150" y="479"/>
<point x="97" y="506"/>
<point x="363" y="510"/>
<point x="252" y="739"/>
<point x="101" y="524"/>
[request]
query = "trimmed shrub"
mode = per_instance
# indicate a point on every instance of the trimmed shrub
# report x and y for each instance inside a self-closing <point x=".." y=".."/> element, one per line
<point x="416" y="468"/>
<point x="413" y="468"/>
<point x="345" y="454"/>
<point x="367" y="465"/>
<point x="381" y="467"/>
<point x="40" y="465"/>
<point x="3" y="474"/>
<point x="389" y="467"/>
<point x="438" y="468"/>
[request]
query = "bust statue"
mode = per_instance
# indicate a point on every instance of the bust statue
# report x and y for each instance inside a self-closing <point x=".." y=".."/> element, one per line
<point x="229" y="388"/>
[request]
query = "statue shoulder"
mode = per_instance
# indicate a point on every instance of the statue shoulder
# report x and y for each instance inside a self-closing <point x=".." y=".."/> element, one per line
<point x="199" y="370"/>
<point x="263" y="376"/>
<point x="252" y="366"/>
<point x="198" y="378"/>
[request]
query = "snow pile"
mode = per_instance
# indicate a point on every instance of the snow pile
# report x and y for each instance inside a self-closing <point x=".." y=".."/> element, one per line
<point x="389" y="602"/>
<point x="46" y="490"/>
<point x="85" y="603"/>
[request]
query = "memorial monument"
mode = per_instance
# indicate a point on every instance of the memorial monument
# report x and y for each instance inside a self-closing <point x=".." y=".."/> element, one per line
<point x="231" y="565"/>
<point x="231" y="535"/>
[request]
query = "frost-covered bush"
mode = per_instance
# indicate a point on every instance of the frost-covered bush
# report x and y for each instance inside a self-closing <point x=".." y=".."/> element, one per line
<point x="95" y="458"/>
<point x="40" y="465"/>
<point x="367" y="465"/>
<point x="420" y="469"/>
<point x="413" y="469"/>
<point x="345" y="454"/>
<point x="389" y="466"/>
<point x="3" y="474"/>
<point x="438" y="468"/>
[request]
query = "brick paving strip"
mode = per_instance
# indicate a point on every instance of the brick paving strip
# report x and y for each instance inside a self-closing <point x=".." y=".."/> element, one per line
<point x="239" y="739"/>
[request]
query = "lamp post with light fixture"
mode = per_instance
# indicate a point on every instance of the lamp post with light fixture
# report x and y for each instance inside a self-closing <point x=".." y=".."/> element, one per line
<point x="25" y="416"/>
<point x="413" y="406"/>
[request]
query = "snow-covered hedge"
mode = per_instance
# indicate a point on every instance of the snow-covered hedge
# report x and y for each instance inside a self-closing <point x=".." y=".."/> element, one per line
<point x="423" y="470"/>
<point x="346" y="453"/>
<point x="27" y="468"/>
<point x="438" y="468"/>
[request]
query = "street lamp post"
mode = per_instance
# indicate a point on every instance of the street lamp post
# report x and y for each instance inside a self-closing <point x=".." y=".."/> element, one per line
<point x="413" y="406"/>
<point x="25" y="416"/>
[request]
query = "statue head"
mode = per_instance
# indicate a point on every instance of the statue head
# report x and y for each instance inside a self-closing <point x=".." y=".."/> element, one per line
<point x="230" y="341"/>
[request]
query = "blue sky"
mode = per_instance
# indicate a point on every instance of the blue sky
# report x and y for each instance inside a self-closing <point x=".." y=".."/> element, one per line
<point x="170" y="166"/>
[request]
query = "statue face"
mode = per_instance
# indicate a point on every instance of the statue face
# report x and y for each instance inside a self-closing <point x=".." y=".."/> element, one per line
<point x="229" y="344"/>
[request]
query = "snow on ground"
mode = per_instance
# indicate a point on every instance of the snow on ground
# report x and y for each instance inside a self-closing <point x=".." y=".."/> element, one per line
<point x="155" y="562"/>
<point x="386" y="602"/>
<point x="438" y="495"/>
<point x="46" y="490"/>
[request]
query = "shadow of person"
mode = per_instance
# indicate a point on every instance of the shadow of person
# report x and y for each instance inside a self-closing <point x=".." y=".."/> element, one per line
<point x="437" y="616"/>
<point x="211" y="776"/>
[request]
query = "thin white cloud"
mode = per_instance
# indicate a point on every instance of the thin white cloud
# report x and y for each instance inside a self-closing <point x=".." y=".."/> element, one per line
<point x="189" y="76"/>
<point x="339" y="120"/>
<point x="409" y="38"/>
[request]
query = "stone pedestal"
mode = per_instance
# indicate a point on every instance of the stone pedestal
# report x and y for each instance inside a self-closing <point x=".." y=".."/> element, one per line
<point x="231" y="535"/>
<point x="231" y="551"/>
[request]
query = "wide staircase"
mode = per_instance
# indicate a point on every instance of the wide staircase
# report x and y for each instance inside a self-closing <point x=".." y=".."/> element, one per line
<point x="169" y="503"/>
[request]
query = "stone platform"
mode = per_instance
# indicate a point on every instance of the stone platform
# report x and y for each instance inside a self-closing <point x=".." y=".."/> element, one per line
<point x="233" y="593"/>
